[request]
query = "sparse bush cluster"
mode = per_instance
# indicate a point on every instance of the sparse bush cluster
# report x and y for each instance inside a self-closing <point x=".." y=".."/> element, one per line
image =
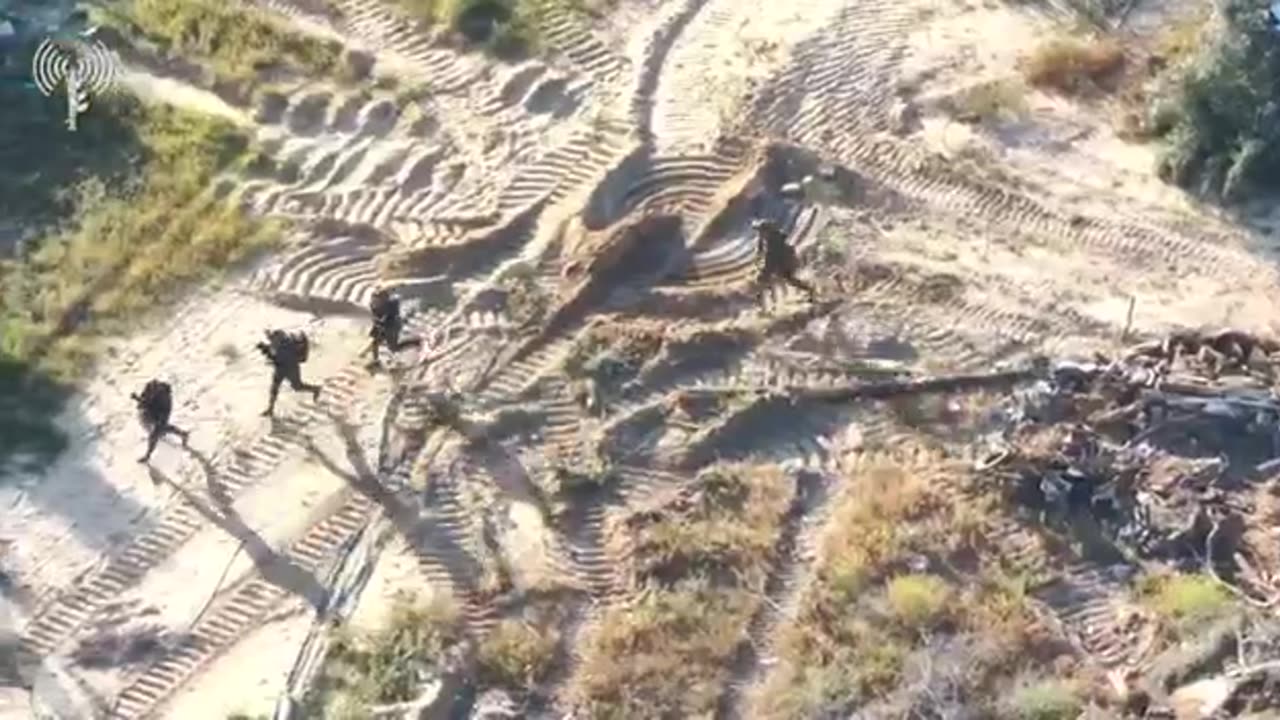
<point x="527" y="303"/>
<point x="517" y="655"/>
<point x="506" y="29"/>
<point x="238" y="40"/>
<point x="701" y="564"/>
<point x="876" y="621"/>
<point x="1222" y="121"/>
<point x="389" y="666"/>
<point x="1187" y="601"/>
<point x="424" y="643"/>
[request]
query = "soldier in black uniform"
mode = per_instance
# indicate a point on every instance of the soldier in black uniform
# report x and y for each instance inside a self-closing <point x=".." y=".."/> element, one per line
<point x="155" y="404"/>
<point x="286" y="352"/>
<point x="778" y="259"/>
<point x="387" y="324"/>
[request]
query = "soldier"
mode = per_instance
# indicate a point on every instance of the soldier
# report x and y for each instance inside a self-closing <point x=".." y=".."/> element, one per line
<point x="387" y="324"/>
<point x="286" y="352"/>
<point x="155" y="404"/>
<point x="779" y="258"/>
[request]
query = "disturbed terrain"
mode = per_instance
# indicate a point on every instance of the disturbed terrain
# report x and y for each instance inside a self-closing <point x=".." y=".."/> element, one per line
<point x="615" y="483"/>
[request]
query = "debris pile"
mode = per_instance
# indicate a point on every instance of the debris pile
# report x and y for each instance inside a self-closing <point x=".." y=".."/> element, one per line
<point x="1170" y="453"/>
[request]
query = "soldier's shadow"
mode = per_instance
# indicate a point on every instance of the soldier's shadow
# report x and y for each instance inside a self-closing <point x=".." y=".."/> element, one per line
<point x="216" y="490"/>
<point x="276" y="568"/>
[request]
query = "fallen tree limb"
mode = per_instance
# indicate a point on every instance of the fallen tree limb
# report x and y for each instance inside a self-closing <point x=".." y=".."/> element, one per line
<point x="858" y="391"/>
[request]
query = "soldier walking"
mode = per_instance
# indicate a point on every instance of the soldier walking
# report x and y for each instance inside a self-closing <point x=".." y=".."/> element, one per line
<point x="155" y="404"/>
<point x="778" y="259"/>
<point x="286" y="352"/>
<point x="387" y="324"/>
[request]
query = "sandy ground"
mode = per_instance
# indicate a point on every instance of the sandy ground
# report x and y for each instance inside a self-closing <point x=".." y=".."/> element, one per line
<point x="1019" y="292"/>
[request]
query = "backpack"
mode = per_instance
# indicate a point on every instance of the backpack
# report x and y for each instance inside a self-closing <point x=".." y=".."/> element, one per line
<point x="156" y="400"/>
<point x="301" y="346"/>
<point x="157" y="390"/>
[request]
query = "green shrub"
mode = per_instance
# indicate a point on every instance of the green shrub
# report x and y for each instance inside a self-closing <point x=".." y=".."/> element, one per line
<point x="387" y="666"/>
<point x="506" y="29"/>
<point x="1190" y="598"/>
<point x="918" y="601"/>
<point x="1223" y="119"/>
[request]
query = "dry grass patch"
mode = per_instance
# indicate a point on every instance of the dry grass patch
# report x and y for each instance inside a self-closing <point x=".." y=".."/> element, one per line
<point x="239" y="41"/>
<point x="1074" y="65"/>
<point x="1044" y="700"/>
<point x="517" y="655"/>
<point x="868" y="611"/>
<point x="702" y="562"/>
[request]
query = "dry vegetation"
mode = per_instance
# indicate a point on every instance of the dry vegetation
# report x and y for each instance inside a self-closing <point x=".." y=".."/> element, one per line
<point x="701" y="563"/>
<point x="906" y="581"/>
<point x="1073" y="64"/>
<point x="424" y="644"/>
<point x="238" y="42"/>
<point x="609" y="353"/>
<point x="389" y="666"/>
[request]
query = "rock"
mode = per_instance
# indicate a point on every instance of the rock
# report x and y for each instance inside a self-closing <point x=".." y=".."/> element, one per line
<point x="1202" y="699"/>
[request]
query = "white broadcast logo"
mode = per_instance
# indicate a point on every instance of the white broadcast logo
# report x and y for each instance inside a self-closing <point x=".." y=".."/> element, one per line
<point x="84" y="68"/>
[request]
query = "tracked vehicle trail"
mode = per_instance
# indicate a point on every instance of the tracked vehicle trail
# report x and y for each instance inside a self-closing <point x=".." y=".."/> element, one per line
<point x="235" y="471"/>
<point x="512" y="206"/>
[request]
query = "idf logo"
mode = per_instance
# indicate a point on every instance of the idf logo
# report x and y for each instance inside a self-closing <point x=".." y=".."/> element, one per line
<point x="84" y="68"/>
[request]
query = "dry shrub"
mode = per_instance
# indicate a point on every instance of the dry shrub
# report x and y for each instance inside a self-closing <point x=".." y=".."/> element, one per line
<point x="666" y="655"/>
<point x="864" y="617"/>
<point x="516" y="655"/>
<point x="1074" y="65"/>
<point x="702" y="562"/>
<point x="1044" y="700"/>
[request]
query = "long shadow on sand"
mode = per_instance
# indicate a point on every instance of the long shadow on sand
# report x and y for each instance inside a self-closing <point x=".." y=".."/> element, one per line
<point x="423" y="532"/>
<point x="275" y="568"/>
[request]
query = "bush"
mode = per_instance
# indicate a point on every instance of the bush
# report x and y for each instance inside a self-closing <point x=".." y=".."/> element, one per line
<point x="1073" y="65"/>
<point x="918" y="601"/>
<point x="1186" y="599"/>
<point x="515" y="656"/>
<point x="238" y="41"/>
<point x="702" y="564"/>
<point x="506" y="29"/>
<point x="1223" y="116"/>
<point x="388" y="666"/>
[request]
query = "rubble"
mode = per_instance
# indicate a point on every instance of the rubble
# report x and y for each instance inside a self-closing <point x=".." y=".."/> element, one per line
<point x="1172" y="450"/>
